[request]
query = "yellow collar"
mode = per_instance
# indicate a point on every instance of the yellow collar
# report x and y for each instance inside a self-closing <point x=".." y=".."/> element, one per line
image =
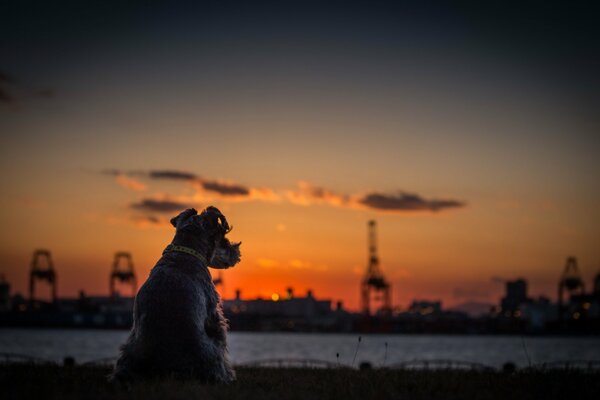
<point x="187" y="250"/>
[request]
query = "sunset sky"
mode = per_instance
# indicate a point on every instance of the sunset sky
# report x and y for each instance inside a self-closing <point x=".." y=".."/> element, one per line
<point x="470" y="133"/>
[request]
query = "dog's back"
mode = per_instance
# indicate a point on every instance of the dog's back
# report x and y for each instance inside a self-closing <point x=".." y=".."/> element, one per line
<point x="171" y="314"/>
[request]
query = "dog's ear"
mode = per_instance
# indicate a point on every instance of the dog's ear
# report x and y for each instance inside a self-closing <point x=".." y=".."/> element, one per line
<point x="216" y="220"/>
<point x="184" y="215"/>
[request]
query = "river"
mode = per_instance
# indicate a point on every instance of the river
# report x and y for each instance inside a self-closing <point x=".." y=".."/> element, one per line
<point x="89" y="345"/>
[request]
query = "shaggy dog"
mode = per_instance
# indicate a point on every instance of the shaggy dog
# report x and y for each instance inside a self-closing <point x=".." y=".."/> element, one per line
<point x="178" y="325"/>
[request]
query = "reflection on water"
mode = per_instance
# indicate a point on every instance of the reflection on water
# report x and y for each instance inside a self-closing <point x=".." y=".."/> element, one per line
<point x="86" y="345"/>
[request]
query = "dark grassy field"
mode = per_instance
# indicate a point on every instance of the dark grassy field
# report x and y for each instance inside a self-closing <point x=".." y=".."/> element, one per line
<point x="54" y="382"/>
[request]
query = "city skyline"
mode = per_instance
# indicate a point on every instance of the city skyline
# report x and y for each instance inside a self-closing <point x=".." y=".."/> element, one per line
<point x="123" y="288"/>
<point x="468" y="133"/>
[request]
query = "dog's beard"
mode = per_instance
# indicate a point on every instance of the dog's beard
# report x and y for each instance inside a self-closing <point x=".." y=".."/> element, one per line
<point x="226" y="255"/>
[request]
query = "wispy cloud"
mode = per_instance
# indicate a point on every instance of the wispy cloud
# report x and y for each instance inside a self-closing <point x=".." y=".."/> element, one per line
<point x="159" y="206"/>
<point x="172" y="175"/>
<point x="225" y="189"/>
<point x="130" y="183"/>
<point x="407" y="202"/>
<point x="220" y="187"/>
<point x="305" y="194"/>
<point x="125" y="180"/>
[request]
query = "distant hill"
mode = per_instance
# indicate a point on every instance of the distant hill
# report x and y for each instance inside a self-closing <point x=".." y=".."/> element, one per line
<point x="473" y="308"/>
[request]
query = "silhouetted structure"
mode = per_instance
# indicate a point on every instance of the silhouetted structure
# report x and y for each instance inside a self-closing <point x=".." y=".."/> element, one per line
<point x="571" y="283"/>
<point x="124" y="274"/>
<point x="4" y="294"/>
<point x="219" y="282"/>
<point x="374" y="282"/>
<point x="425" y="307"/>
<point x="286" y="313"/>
<point x="516" y="294"/>
<point x="38" y="272"/>
<point x="518" y="313"/>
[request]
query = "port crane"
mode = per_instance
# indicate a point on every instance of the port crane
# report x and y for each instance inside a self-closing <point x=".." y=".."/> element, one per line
<point x="40" y="272"/>
<point x="123" y="274"/>
<point x="374" y="283"/>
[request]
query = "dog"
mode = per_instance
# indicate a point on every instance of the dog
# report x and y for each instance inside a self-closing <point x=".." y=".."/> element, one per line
<point x="179" y="329"/>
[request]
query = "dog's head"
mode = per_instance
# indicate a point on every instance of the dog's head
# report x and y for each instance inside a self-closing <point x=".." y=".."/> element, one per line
<point x="209" y="229"/>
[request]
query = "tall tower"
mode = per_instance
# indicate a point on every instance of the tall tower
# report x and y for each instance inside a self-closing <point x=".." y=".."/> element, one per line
<point x="570" y="282"/>
<point x="124" y="274"/>
<point x="42" y="273"/>
<point x="374" y="282"/>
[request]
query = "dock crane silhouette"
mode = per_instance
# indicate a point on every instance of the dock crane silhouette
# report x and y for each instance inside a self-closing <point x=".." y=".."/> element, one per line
<point x="570" y="282"/>
<point x="124" y="274"/>
<point x="41" y="273"/>
<point x="374" y="282"/>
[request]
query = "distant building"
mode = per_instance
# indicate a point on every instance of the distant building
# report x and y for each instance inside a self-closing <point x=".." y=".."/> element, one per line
<point x="5" y="303"/>
<point x="538" y="313"/>
<point x="286" y="313"/>
<point x="424" y="307"/>
<point x="290" y="306"/>
<point x="516" y="295"/>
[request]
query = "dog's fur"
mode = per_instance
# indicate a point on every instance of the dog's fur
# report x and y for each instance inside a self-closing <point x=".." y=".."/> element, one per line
<point x="179" y="329"/>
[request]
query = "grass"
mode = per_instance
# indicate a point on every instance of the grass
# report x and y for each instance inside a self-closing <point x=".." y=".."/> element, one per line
<point x="20" y="381"/>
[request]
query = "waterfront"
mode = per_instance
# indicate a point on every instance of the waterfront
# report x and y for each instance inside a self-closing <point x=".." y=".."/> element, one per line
<point x="89" y="345"/>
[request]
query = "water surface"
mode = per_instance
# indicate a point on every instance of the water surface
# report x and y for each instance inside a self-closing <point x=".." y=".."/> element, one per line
<point x="88" y="345"/>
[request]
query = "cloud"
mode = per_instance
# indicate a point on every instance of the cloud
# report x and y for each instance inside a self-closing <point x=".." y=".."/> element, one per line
<point x="130" y="183"/>
<point x="220" y="187"/>
<point x="160" y="206"/>
<point x="212" y="185"/>
<point x="406" y="202"/>
<point x="172" y="175"/>
<point x="124" y="180"/>
<point x="308" y="194"/>
<point x="225" y="189"/>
